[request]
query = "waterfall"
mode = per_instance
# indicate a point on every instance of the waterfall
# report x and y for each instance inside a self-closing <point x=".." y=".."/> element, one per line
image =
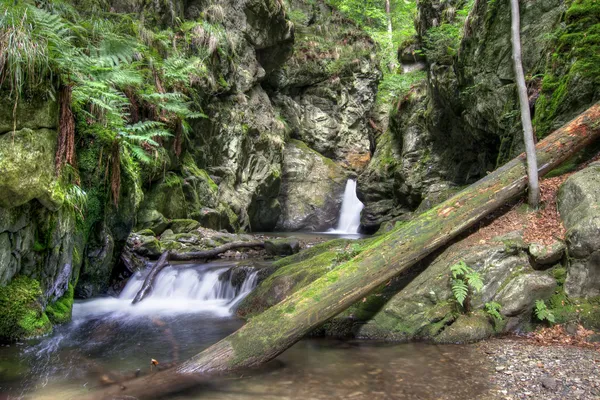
<point x="349" y="221"/>
<point x="176" y="291"/>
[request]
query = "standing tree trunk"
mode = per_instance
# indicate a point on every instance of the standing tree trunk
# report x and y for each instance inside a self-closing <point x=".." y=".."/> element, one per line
<point x="267" y="335"/>
<point x="390" y="32"/>
<point x="532" y="170"/>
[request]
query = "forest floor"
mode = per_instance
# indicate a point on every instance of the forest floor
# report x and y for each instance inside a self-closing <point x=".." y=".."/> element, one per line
<point x="554" y="363"/>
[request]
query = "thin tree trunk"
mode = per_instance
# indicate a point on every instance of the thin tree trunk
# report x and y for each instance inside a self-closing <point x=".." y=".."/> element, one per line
<point x="390" y="31"/>
<point x="161" y="264"/>
<point x="532" y="170"/>
<point x="276" y="329"/>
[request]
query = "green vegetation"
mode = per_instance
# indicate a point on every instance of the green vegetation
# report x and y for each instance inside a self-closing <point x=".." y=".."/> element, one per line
<point x="398" y="86"/>
<point x="371" y="16"/>
<point x="441" y="42"/>
<point x="542" y="313"/>
<point x="464" y="280"/>
<point x="21" y="310"/>
<point x="123" y="86"/>
<point x="572" y="77"/>
<point x="60" y="311"/>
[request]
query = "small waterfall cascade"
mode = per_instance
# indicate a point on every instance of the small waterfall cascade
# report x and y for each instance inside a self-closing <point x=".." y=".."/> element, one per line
<point x="177" y="290"/>
<point x="349" y="221"/>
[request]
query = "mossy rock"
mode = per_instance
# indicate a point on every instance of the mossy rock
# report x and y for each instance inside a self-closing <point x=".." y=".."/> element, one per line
<point x="183" y="225"/>
<point x="466" y="329"/>
<point x="27" y="169"/>
<point x="21" y="312"/>
<point x="282" y="247"/>
<point x="61" y="310"/>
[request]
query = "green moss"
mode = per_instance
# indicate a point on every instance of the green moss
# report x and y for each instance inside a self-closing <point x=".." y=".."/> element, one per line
<point x="21" y="312"/>
<point x="61" y="310"/>
<point x="572" y="78"/>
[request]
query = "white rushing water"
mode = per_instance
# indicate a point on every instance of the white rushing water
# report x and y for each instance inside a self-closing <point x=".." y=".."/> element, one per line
<point x="349" y="221"/>
<point x="176" y="291"/>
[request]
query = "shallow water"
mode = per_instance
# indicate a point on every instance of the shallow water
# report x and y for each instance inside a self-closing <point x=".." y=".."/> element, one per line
<point x="110" y="337"/>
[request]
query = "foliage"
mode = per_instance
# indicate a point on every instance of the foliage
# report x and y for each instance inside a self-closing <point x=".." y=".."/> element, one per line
<point x="348" y="253"/>
<point x="397" y="86"/>
<point x="371" y="16"/>
<point x="464" y="280"/>
<point x="131" y="85"/>
<point x="542" y="312"/>
<point x="572" y="75"/>
<point x="493" y="310"/>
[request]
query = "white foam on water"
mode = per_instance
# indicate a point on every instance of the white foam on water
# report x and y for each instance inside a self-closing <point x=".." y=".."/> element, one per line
<point x="349" y="221"/>
<point x="175" y="291"/>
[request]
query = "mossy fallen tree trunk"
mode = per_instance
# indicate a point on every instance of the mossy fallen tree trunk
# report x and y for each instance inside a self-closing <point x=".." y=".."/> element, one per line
<point x="272" y="332"/>
<point x="164" y="259"/>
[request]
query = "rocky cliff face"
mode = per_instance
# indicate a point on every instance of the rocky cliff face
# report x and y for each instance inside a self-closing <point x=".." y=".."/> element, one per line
<point x="463" y="119"/>
<point x="237" y="168"/>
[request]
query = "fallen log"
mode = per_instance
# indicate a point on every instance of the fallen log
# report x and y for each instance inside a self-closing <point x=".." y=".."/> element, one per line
<point x="147" y="286"/>
<point x="276" y="329"/>
<point x="213" y="253"/>
<point x="192" y="255"/>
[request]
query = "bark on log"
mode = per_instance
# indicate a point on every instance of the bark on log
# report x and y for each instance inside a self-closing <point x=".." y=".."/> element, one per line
<point x="272" y="332"/>
<point x="193" y="255"/>
<point x="147" y="286"/>
<point x="205" y="255"/>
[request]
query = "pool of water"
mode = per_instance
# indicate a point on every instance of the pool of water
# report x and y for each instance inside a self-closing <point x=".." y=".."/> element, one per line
<point x="190" y="309"/>
<point x="80" y="355"/>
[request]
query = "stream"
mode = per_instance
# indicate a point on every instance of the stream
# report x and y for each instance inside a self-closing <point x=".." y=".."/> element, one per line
<point x="193" y="308"/>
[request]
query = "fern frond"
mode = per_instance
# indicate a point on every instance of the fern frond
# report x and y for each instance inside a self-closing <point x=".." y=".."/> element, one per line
<point x="474" y="280"/>
<point x="458" y="269"/>
<point x="460" y="290"/>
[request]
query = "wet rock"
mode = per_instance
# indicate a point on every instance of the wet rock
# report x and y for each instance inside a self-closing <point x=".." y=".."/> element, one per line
<point x="97" y="264"/>
<point x="578" y="200"/>
<point x="467" y="328"/>
<point x="282" y="247"/>
<point x="183" y="225"/>
<point x="311" y="194"/>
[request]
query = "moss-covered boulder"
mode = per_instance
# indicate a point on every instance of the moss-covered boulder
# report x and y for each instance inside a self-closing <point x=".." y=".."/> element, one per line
<point x="312" y="190"/>
<point x="27" y="168"/>
<point x="290" y="274"/>
<point x="282" y="247"/>
<point x="60" y="311"/>
<point x="21" y="310"/>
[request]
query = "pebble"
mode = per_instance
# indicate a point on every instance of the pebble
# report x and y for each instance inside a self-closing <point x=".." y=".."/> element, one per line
<point x="525" y="370"/>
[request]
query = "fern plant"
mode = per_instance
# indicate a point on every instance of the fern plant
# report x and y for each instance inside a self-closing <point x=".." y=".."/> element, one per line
<point x="464" y="280"/>
<point x="542" y="312"/>
<point x="493" y="310"/>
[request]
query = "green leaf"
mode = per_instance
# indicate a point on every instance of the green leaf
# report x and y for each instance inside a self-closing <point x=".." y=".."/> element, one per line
<point x="460" y="290"/>
<point x="474" y="280"/>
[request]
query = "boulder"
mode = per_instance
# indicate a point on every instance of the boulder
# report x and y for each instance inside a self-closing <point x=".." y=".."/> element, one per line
<point x="312" y="190"/>
<point x="27" y="169"/>
<point x="519" y="295"/>
<point x="579" y="207"/>
<point x="282" y="247"/>
<point x="467" y="328"/>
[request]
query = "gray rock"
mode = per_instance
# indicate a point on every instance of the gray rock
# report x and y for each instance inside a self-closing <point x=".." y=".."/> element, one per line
<point x="467" y="328"/>
<point x="282" y="247"/>
<point x="311" y="194"/>
<point x="520" y="294"/>
<point x="579" y="207"/>
<point x="547" y="255"/>
<point x="549" y="383"/>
